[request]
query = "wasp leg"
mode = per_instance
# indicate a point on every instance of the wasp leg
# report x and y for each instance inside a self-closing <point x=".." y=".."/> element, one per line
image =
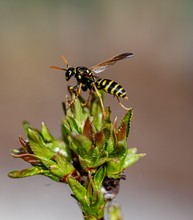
<point x="83" y="104"/>
<point x="77" y="93"/>
<point x="123" y="105"/>
<point x="100" y="98"/>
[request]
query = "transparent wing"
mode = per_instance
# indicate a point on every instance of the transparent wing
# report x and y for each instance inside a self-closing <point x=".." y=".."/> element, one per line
<point x="107" y="63"/>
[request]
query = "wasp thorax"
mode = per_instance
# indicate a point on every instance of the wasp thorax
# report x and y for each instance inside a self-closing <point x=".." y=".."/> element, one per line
<point x="83" y="69"/>
<point x="69" y="73"/>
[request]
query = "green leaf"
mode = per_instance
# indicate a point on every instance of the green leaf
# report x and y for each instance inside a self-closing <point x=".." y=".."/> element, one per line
<point x="74" y="126"/>
<point x="96" y="198"/>
<point x="82" y="143"/>
<point x="96" y="112"/>
<point x="62" y="166"/>
<point x="65" y="130"/>
<point x="132" y="157"/>
<point x="115" y="166"/>
<point x="110" y="144"/>
<point x="107" y="121"/>
<point x="34" y="135"/>
<point x="78" y="112"/>
<point x="120" y="149"/>
<point x="26" y="172"/>
<point x="99" y="177"/>
<point x="132" y="150"/>
<point x="40" y="149"/>
<point x="60" y="147"/>
<point x="48" y="163"/>
<point x="45" y="133"/>
<point x="79" y="191"/>
<point x="51" y="176"/>
<point x="90" y="198"/>
<point x="93" y="160"/>
<point x="26" y="126"/>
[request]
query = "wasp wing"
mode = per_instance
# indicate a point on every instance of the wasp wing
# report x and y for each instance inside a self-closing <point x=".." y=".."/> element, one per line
<point x="107" y="63"/>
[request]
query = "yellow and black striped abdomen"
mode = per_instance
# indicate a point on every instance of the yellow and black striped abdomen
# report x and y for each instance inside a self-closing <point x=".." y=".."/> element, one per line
<point x="111" y="87"/>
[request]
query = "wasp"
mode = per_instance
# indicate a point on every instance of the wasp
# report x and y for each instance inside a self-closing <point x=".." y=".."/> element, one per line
<point x="87" y="79"/>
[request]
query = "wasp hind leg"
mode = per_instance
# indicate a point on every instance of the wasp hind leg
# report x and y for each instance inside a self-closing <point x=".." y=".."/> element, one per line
<point x="123" y="105"/>
<point x="100" y="98"/>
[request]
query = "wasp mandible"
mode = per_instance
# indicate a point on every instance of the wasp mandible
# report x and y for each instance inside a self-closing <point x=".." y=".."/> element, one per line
<point x="86" y="79"/>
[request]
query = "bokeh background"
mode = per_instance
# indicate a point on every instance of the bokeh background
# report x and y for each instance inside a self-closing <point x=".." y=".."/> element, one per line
<point x="158" y="80"/>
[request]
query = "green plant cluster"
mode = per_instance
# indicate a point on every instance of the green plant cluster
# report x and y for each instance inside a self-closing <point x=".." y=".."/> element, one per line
<point x="91" y="157"/>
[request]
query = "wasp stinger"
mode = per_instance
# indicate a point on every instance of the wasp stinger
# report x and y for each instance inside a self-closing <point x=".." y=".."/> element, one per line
<point x="86" y="79"/>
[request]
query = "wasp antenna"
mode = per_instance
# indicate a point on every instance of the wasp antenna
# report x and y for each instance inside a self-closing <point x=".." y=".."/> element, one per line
<point x="65" y="60"/>
<point x="57" y="68"/>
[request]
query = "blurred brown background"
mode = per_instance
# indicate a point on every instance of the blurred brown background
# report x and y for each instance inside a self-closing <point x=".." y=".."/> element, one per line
<point x="158" y="80"/>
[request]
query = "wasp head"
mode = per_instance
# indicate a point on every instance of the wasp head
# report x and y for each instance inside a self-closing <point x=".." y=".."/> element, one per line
<point x="69" y="73"/>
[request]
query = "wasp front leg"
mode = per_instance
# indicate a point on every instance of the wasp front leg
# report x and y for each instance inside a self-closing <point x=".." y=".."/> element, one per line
<point x="73" y="90"/>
